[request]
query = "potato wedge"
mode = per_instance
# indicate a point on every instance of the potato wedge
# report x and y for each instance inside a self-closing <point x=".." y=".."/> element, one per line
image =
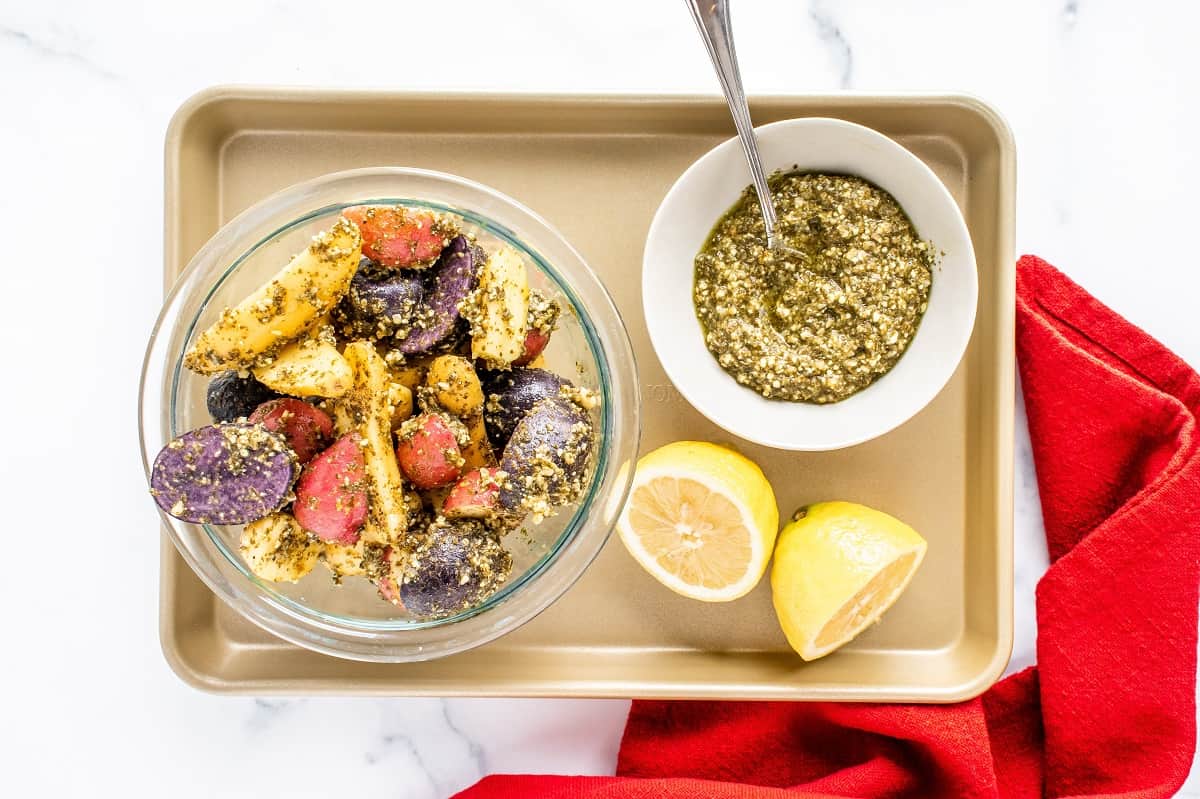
<point x="343" y="560"/>
<point x="284" y="309"/>
<point x="412" y="373"/>
<point x="402" y="404"/>
<point x="369" y="404"/>
<point x="478" y="452"/>
<point x="500" y="309"/>
<point x="310" y="367"/>
<point x="343" y="421"/>
<point x="454" y="386"/>
<point x="277" y="549"/>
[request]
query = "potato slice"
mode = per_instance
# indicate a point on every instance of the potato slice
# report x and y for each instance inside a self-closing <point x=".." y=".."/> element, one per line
<point x="369" y="404"/>
<point x="453" y="384"/>
<point x="501" y="309"/>
<point x="310" y="367"/>
<point x="412" y="373"/>
<point x="277" y="549"/>
<point x="478" y="452"/>
<point x="402" y="404"/>
<point x="343" y="421"/>
<point x="284" y="309"/>
<point x="343" y="560"/>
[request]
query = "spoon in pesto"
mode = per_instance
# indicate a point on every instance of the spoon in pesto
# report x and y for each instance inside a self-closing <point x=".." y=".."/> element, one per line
<point x="712" y="18"/>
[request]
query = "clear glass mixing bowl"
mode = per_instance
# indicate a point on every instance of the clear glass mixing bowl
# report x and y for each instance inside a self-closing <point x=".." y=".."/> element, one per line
<point x="590" y="347"/>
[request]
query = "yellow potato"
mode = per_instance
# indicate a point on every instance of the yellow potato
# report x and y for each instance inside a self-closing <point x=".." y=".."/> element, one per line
<point x="452" y="381"/>
<point x="537" y="363"/>
<point x="307" y="368"/>
<point x="478" y="452"/>
<point x="411" y="374"/>
<point x="369" y="404"/>
<point x="343" y="422"/>
<point x="501" y="309"/>
<point x="277" y="549"/>
<point x="402" y="404"/>
<point x="343" y="560"/>
<point x="283" y="310"/>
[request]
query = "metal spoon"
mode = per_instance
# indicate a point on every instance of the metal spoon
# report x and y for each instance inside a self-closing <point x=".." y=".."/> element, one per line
<point x="712" y="18"/>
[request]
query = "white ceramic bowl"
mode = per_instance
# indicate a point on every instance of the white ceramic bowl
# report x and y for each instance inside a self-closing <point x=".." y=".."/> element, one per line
<point x="709" y="188"/>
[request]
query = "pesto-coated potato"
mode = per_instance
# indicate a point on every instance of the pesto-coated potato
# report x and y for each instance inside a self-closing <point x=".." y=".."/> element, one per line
<point x="461" y="565"/>
<point x="277" y="549"/>
<point x="310" y="367"/>
<point x="369" y="405"/>
<point x="499" y="309"/>
<point x="284" y="309"/>
<point x="454" y="386"/>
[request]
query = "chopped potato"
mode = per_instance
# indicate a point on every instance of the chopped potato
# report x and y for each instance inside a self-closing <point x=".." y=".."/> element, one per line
<point x="478" y="452"/>
<point x="344" y="560"/>
<point x="277" y="549"/>
<point x="500" y="309"/>
<point x="369" y="403"/>
<point x="454" y="386"/>
<point x="401" y="399"/>
<point x="310" y="367"/>
<point x="283" y="310"/>
<point x="411" y="374"/>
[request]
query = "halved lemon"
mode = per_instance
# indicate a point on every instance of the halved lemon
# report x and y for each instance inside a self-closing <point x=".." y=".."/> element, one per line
<point x="838" y="567"/>
<point x="701" y="519"/>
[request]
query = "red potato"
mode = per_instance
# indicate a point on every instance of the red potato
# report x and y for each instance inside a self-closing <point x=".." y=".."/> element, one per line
<point x="306" y="427"/>
<point x="388" y="584"/>
<point x="428" y="451"/>
<point x="535" y="341"/>
<point x="389" y="589"/>
<point x="394" y="236"/>
<point x="475" y="496"/>
<point x="331" y="495"/>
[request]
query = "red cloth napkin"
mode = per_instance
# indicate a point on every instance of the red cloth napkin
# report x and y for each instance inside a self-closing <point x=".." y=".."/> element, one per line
<point x="1110" y="708"/>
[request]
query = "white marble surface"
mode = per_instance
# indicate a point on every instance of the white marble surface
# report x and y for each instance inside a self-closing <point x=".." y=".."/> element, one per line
<point x="1101" y="95"/>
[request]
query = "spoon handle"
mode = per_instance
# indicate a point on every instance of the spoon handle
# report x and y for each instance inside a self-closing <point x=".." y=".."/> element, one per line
<point x="712" y="18"/>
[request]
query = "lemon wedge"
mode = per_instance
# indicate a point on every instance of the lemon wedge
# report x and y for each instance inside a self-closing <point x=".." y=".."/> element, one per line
<point x="838" y="567"/>
<point x="701" y="519"/>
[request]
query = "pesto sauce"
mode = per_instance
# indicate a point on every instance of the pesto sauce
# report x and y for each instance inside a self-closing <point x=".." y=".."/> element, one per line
<point x="822" y="325"/>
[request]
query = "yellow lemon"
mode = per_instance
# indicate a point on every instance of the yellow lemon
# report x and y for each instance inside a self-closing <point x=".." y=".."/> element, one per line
<point x="701" y="519"/>
<point x="838" y="567"/>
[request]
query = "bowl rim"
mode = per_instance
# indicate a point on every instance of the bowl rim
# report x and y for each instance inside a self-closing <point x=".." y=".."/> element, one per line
<point x="693" y="390"/>
<point x="312" y="628"/>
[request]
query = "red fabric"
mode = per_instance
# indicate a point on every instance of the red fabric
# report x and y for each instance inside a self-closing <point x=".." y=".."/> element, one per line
<point x="1110" y="708"/>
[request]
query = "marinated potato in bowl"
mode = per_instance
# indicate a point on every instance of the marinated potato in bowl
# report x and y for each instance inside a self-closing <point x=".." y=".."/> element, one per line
<point x="379" y="406"/>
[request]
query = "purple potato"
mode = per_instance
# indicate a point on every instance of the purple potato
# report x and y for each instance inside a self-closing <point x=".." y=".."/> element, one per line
<point x="547" y="457"/>
<point x="511" y="395"/>
<point x="224" y="474"/>
<point x="456" y="566"/>
<point x="230" y="397"/>
<point x="450" y="281"/>
<point x="380" y="303"/>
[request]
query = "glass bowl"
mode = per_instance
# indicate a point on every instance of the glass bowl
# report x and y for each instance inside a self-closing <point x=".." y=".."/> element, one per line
<point x="590" y="347"/>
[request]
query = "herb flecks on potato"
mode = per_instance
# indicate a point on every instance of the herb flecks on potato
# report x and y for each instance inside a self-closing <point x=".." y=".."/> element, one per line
<point x="369" y="405"/>
<point x="498" y="309"/>
<point x="254" y="331"/>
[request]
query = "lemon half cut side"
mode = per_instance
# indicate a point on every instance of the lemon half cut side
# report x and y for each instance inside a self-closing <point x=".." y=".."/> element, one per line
<point x="701" y="519"/>
<point x="838" y="567"/>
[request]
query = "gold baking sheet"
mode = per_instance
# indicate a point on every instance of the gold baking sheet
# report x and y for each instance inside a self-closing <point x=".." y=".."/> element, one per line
<point x="596" y="167"/>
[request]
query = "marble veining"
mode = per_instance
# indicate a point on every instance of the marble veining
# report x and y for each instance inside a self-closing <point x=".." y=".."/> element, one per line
<point x="835" y="42"/>
<point x="69" y="53"/>
<point x="1102" y="103"/>
<point x="476" y="751"/>
<point x="1070" y="12"/>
